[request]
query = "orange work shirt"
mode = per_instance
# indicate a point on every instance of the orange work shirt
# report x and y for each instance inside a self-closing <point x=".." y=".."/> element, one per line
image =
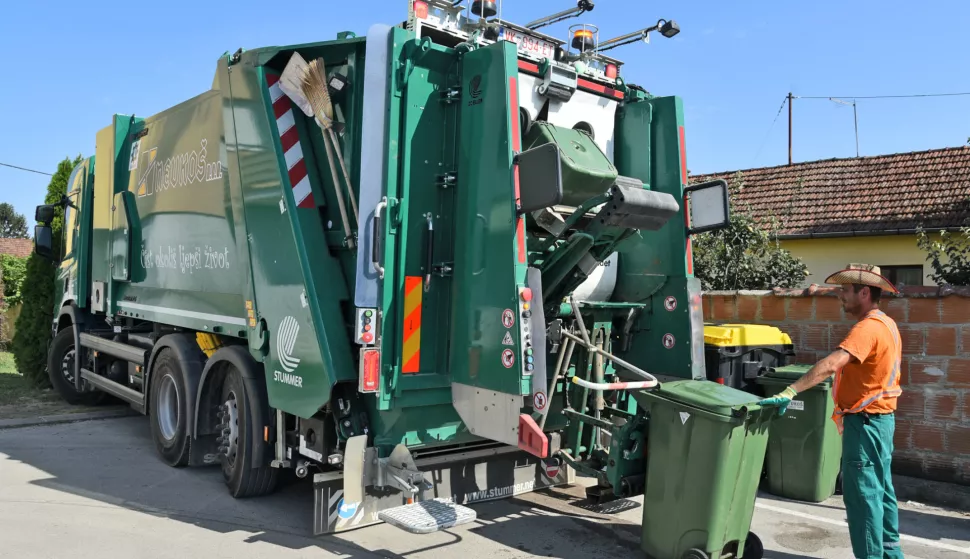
<point x="875" y="351"/>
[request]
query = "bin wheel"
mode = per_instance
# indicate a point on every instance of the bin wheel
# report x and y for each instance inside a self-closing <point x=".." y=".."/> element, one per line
<point x="838" y="483"/>
<point x="696" y="554"/>
<point x="753" y="548"/>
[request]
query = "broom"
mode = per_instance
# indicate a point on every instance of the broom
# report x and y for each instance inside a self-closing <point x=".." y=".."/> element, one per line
<point x="317" y="92"/>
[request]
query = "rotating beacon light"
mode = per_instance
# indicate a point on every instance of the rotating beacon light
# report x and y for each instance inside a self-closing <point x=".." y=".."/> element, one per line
<point x="583" y="38"/>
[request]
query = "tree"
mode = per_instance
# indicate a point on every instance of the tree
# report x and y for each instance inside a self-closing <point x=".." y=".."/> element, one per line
<point x="949" y="256"/>
<point x="746" y="254"/>
<point x="33" y="327"/>
<point x="12" y="224"/>
<point x="12" y="271"/>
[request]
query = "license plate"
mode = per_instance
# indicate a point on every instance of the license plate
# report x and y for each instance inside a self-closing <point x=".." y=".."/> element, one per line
<point x="529" y="45"/>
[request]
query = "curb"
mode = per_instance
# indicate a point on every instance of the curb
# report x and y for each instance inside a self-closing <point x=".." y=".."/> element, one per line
<point x="65" y="418"/>
<point x="932" y="493"/>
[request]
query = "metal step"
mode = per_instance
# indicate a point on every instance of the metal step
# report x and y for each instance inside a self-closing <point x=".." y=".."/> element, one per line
<point x="426" y="517"/>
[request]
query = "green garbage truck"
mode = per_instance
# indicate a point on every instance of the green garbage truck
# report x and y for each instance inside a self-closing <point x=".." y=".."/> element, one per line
<point x="427" y="266"/>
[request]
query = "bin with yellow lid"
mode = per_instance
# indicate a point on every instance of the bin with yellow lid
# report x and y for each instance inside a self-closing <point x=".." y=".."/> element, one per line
<point x="737" y="354"/>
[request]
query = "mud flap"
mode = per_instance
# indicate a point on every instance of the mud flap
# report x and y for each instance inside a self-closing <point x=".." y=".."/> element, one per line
<point x="467" y="478"/>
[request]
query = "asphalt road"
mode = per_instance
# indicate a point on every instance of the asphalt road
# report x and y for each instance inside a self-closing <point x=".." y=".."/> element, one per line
<point x="96" y="490"/>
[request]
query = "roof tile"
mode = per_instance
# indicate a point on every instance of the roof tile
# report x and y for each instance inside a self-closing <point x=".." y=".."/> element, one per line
<point x="885" y="192"/>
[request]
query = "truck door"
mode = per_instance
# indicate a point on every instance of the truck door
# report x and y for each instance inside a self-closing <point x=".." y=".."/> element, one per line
<point x="492" y="358"/>
<point x="426" y="230"/>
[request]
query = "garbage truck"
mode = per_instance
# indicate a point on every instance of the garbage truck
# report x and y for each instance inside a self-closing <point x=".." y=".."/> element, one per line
<point x="444" y="262"/>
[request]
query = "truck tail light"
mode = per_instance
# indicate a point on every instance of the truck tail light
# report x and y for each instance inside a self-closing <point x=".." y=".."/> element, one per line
<point x="420" y="9"/>
<point x="611" y="71"/>
<point x="370" y="371"/>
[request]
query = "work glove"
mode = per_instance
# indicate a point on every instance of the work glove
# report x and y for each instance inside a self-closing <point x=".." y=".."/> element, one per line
<point x="782" y="399"/>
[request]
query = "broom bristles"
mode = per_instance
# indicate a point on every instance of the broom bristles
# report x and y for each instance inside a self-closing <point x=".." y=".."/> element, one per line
<point x="315" y="88"/>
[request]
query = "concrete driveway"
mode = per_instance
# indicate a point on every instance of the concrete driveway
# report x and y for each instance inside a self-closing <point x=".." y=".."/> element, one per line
<point x="96" y="490"/>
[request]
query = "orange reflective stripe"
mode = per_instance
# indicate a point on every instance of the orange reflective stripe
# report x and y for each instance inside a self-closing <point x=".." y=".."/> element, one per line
<point x="890" y="389"/>
<point x="411" y="351"/>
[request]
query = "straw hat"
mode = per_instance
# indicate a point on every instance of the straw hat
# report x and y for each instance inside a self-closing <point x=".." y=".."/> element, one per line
<point x="862" y="274"/>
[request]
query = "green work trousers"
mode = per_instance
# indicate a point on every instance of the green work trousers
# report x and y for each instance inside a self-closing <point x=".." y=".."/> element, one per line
<point x="867" y="486"/>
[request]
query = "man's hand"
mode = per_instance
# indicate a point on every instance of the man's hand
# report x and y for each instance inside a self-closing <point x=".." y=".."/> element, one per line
<point x="782" y="400"/>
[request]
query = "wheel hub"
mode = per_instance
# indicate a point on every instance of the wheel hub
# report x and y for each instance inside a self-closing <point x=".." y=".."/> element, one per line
<point x="229" y="442"/>
<point x="168" y="408"/>
<point x="67" y="366"/>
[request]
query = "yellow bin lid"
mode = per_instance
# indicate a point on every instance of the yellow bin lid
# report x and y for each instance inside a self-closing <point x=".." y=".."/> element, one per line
<point x="734" y="335"/>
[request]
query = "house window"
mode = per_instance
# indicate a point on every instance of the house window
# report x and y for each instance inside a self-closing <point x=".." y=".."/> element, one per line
<point x="901" y="276"/>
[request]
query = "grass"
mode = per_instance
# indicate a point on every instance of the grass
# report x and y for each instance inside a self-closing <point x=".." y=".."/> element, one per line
<point x="15" y="390"/>
<point x="20" y="398"/>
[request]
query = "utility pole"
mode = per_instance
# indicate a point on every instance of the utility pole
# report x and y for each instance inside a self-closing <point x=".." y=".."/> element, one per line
<point x="790" y="97"/>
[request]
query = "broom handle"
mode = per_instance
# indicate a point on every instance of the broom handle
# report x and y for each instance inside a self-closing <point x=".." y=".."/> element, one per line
<point x="340" y="195"/>
<point x="343" y="167"/>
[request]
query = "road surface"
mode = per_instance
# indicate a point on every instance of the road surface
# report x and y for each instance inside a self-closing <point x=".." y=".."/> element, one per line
<point x="96" y="490"/>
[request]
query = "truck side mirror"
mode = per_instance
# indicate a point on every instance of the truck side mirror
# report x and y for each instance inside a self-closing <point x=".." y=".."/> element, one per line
<point x="708" y="202"/>
<point x="540" y="178"/>
<point x="43" y="241"/>
<point x="44" y="214"/>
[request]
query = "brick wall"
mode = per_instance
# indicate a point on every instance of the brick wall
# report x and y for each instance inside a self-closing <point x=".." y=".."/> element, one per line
<point x="933" y="418"/>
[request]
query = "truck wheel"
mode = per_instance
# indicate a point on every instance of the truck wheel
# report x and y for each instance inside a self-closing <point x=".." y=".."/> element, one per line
<point x="236" y="443"/>
<point x="60" y="369"/>
<point x="168" y="411"/>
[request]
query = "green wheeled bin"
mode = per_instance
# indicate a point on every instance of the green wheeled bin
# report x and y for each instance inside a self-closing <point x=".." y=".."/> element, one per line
<point x="705" y="451"/>
<point x="804" y="456"/>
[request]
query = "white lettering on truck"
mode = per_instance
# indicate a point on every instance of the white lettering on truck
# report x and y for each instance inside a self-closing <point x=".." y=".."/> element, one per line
<point x="287" y="378"/>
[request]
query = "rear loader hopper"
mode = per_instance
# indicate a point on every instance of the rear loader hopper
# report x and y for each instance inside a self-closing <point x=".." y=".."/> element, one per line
<point x="433" y="265"/>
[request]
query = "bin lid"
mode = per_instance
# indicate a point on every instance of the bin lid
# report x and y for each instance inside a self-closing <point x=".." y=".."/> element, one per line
<point x="790" y="373"/>
<point x="706" y="395"/>
<point x="733" y="335"/>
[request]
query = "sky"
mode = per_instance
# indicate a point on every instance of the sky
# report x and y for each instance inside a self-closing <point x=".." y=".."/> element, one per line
<point x="732" y="64"/>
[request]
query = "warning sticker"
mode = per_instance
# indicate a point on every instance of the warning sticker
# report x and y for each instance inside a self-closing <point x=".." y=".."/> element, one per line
<point x="684" y="416"/>
<point x="797" y="405"/>
<point x="508" y="318"/>
<point x="539" y="401"/>
<point x="507" y="340"/>
<point x="669" y="341"/>
<point x="133" y="157"/>
<point x="670" y="303"/>
<point x="508" y="358"/>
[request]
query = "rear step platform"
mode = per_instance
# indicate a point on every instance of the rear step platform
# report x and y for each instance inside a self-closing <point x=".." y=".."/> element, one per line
<point x="426" y="517"/>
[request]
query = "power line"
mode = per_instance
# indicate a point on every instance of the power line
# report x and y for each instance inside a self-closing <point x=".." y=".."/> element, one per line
<point x="26" y="169"/>
<point x="885" y="96"/>
<point x="770" y="128"/>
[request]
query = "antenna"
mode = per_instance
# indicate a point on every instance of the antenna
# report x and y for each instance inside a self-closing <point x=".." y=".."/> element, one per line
<point x="855" y="118"/>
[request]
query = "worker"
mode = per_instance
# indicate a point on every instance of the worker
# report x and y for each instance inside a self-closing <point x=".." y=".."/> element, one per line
<point x="866" y="366"/>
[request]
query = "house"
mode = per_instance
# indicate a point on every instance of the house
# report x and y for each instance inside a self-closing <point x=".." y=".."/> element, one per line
<point x="862" y="209"/>
<point x="16" y="247"/>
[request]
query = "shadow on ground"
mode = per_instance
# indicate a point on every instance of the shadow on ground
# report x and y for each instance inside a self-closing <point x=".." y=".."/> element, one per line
<point x="912" y="521"/>
<point x="114" y="462"/>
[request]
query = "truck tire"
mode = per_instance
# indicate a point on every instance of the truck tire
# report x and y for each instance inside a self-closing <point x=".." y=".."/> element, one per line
<point x="60" y="370"/>
<point x="168" y="410"/>
<point x="242" y="479"/>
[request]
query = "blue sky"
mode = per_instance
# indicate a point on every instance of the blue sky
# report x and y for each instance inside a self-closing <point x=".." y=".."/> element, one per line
<point x="733" y="64"/>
